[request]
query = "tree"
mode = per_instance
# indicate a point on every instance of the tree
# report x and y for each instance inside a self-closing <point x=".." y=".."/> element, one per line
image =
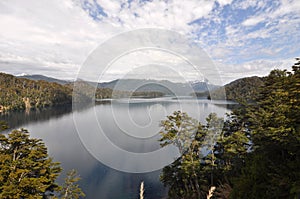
<point x="257" y="153"/>
<point x="271" y="169"/>
<point x="3" y="126"/>
<point x="192" y="173"/>
<point x="232" y="148"/>
<point x="182" y="175"/>
<point x="70" y="188"/>
<point x="179" y="130"/>
<point x="26" y="171"/>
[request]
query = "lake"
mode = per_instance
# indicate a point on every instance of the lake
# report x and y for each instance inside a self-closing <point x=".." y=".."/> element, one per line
<point x="131" y="124"/>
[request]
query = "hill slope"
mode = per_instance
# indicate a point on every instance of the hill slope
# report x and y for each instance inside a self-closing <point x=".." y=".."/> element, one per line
<point x="45" y="78"/>
<point x="20" y="93"/>
<point x="244" y="89"/>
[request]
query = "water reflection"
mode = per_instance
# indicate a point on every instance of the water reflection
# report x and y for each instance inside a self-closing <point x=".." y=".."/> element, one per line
<point x="20" y="118"/>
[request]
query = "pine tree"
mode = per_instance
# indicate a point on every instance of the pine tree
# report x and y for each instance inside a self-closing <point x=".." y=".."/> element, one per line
<point x="26" y="171"/>
<point x="70" y="188"/>
<point x="257" y="154"/>
<point x="272" y="170"/>
<point x="3" y="126"/>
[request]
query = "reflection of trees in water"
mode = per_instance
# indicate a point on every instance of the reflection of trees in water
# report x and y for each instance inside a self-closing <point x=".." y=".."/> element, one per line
<point x="19" y="118"/>
<point x="229" y="106"/>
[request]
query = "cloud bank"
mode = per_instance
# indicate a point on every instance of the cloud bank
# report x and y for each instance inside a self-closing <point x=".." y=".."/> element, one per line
<point x="55" y="37"/>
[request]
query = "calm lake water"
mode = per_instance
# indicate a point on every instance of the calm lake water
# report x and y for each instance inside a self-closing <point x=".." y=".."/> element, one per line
<point x="130" y="124"/>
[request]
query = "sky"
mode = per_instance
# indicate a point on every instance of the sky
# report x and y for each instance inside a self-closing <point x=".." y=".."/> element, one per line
<point x="54" y="38"/>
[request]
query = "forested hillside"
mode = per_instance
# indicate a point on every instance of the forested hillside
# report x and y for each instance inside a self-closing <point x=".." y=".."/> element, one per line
<point x="244" y="89"/>
<point x="45" y="78"/>
<point x="20" y="93"/>
<point x="17" y="93"/>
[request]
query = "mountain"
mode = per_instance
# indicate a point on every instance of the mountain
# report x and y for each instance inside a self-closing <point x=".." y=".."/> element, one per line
<point x="44" y="78"/>
<point x="244" y="89"/>
<point x="37" y="91"/>
<point x="163" y="86"/>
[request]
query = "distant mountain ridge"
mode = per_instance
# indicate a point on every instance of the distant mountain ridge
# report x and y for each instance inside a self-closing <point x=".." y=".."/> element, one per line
<point x="44" y="78"/>
<point x="38" y="91"/>
<point x="243" y="89"/>
<point x="237" y="90"/>
<point x="164" y="86"/>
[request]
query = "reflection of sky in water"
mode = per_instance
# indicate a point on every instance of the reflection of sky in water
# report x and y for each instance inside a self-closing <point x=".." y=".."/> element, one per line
<point x="99" y="181"/>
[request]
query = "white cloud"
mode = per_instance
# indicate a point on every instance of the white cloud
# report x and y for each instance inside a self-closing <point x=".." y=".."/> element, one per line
<point x="55" y="37"/>
<point x="245" y="4"/>
<point x="276" y="35"/>
<point x="252" y="21"/>
<point x="60" y="34"/>
<point x="111" y="7"/>
<point x="252" y="68"/>
<point x="153" y="64"/>
<point x="173" y="15"/>
<point x="224" y="2"/>
<point x="47" y="34"/>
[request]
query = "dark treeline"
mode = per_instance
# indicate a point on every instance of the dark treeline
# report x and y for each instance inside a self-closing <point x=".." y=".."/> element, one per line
<point x="244" y="89"/>
<point x="253" y="154"/>
<point x="105" y="93"/>
<point x="22" y="118"/>
<point x="21" y="93"/>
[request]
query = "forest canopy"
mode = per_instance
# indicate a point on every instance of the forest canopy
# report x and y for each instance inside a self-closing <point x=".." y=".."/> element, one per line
<point x="256" y="154"/>
<point x="26" y="170"/>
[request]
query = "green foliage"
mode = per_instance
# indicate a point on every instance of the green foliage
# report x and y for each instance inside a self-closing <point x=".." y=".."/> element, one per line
<point x="71" y="190"/>
<point x="3" y="125"/>
<point x="244" y="89"/>
<point x="257" y="153"/>
<point x="26" y="170"/>
<point x="104" y="93"/>
<point x="271" y="169"/>
<point x="19" y="93"/>
<point x="183" y="175"/>
<point x="232" y="146"/>
<point x="191" y="174"/>
<point x="179" y="129"/>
